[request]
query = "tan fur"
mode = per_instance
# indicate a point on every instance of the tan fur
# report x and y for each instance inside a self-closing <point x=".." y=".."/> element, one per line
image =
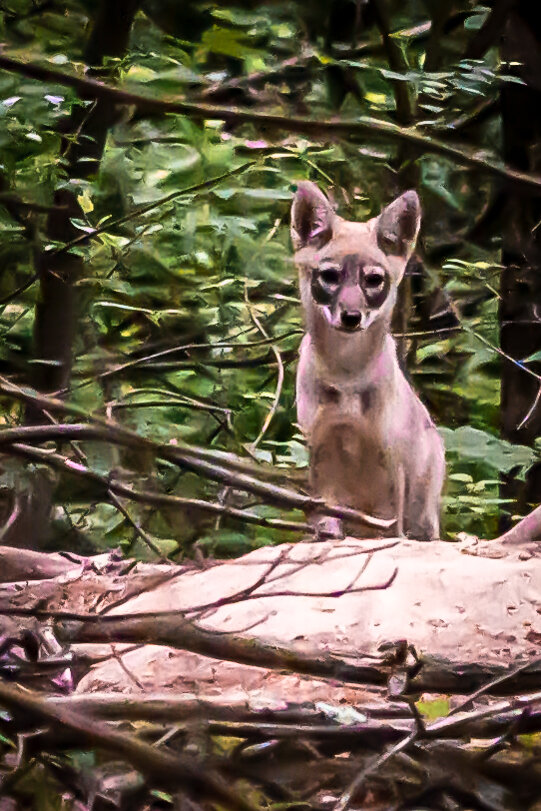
<point x="372" y="443"/>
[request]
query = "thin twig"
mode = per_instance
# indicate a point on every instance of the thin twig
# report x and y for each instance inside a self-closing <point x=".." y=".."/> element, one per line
<point x="188" y="347"/>
<point x="280" y="364"/>
<point x="530" y="410"/>
<point x="331" y="594"/>
<point x="138" y="529"/>
<point x="21" y="289"/>
<point x="113" y="498"/>
<point x="116" y="405"/>
<point x="345" y="800"/>
<point x="489" y="686"/>
<point x="496" y="349"/>
<point x="117" y="656"/>
<point x="147" y="207"/>
<point x="458" y="725"/>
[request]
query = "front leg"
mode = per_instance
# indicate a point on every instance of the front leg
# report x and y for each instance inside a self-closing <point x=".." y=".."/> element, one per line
<point x="327" y="528"/>
<point x="400" y="490"/>
<point x="306" y="388"/>
<point x="423" y="512"/>
<point x="423" y="497"/>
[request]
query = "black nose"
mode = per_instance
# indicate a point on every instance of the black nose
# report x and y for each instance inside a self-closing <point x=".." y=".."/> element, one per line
<point x="351" y="319"/>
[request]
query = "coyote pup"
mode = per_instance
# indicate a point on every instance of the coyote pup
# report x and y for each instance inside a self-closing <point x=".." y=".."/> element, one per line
<point x="372" y="443"/>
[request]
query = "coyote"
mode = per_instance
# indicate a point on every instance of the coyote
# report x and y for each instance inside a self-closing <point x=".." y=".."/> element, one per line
<point x="372" y="443"/>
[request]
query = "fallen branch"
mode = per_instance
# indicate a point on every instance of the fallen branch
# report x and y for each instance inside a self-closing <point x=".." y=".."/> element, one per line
<point x="181" y="454"/>
<point x="346" y="798"/>
<point x="489" y="687"/>
<point x="110" y="486"/>
<point x="499" y="719"/>
<point x="170" y="707"/>
<point x="167" y="771"/>
<point x="25" y="564"/>
<point x="43" y="401"/>
<point x="241" y="721"/>
<point x="429" y="674"/>
<point x="436" y="675"/>
<point x="171" y="629"/>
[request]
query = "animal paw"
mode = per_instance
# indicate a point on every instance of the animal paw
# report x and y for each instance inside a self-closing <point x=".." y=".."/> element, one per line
<point x="329" y="528"/>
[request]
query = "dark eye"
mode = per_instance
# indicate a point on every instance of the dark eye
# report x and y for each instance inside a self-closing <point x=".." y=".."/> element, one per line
<point x="330" y="276"/>
<point x="373" y="280"/>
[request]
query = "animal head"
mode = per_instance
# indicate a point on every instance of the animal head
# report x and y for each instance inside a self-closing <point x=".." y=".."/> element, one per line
<point x="351" y="270"/>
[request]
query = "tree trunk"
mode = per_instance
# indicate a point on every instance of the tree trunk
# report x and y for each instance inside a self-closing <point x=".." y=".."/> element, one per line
<point x="57" y="309"/>
<point x="519" y="314"/>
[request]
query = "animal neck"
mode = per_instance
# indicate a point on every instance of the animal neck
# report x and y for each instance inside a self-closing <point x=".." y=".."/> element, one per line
<point x="369" y="353"/>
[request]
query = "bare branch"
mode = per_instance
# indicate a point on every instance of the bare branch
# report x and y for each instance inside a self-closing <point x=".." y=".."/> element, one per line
<point x="112" y="488"/>
<point x="242" y="720"/>
<point x="179" y="707"/>
<point x="345" y="800"/>
<point x="489" y="686"/>
<point x="363" y="125"/>
<point x="181" y="454"/>
<point x="160" y="768"/>
<point x="171" y="629"/>
<point x="280" y="379"/>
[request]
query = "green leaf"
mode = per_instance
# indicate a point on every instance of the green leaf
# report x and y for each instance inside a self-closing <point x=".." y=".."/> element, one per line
<point x="229" y="42"/>
<point x="432" y="710"/>
<point x="531" y="358"/>
<point x="498" y="454"/>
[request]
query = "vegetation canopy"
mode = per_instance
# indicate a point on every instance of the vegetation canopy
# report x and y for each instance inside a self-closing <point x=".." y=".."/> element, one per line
<point x="149" y="310"/>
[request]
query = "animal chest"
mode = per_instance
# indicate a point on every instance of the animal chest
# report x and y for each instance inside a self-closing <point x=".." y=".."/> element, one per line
<point x="351" y="454"/>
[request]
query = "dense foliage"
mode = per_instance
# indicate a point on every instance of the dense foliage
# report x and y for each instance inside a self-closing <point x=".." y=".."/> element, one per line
<point x="178" y="260"/>
<point x="150" y="324"/>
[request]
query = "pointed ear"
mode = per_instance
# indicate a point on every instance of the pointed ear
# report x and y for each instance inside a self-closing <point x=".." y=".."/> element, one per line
<point x="398" y="225"/>
<point x="311" y="217"/>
